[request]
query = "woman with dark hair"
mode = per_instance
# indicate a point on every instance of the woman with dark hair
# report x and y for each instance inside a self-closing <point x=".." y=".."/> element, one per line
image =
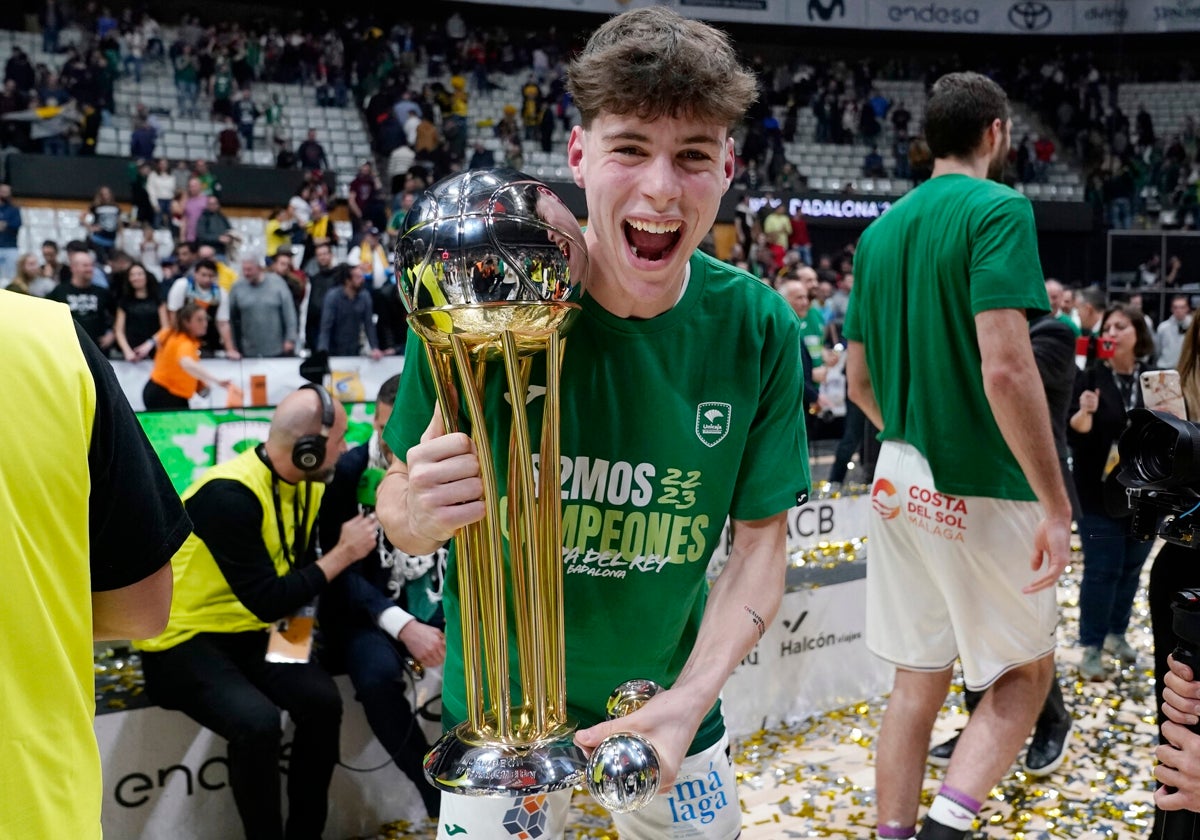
<point x="177" y="373"/>
<point x="1112" y="559"/>
<point x="141" y="313"/>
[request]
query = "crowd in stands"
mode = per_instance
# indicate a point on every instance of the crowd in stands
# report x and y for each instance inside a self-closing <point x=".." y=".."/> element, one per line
<point x="176" y="238"/>
<point x="395" y="72"/>
<point x="299" y="296"/>
<point x="127" y="281"/>
<point x="416" y="85"/>
<point x="1071" y="95"/>
<point x="1133" y="168"/>
<point x="433" y="125"/>
<point x="58" y="105"/>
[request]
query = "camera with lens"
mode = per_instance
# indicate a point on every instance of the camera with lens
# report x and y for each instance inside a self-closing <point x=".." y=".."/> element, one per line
<point x="1160" y="471"/>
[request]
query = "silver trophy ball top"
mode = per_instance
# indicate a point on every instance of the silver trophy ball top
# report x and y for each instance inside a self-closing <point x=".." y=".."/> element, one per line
<point x="489" y="236"/>
<point x="623" y="772"/>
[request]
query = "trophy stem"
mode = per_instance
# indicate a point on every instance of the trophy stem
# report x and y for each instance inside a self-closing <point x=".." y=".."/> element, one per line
<point x="522" y="534"/>
<point x="490" y="557"/>
<point x="509" y="572"/>
<point x="549" y="504"/>
<point x="443" y="376"/>
<point x="468" y="538"/>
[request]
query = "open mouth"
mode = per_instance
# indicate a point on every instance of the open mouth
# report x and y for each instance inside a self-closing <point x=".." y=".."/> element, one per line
<point x="652" y="241"/>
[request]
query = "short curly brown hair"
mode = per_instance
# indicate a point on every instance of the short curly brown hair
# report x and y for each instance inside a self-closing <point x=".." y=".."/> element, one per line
<point x="961" y="106"/>
<point x="652" y="62"/>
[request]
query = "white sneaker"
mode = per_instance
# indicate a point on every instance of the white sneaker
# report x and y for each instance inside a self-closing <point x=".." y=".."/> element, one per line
<point x="1118" y="647"/>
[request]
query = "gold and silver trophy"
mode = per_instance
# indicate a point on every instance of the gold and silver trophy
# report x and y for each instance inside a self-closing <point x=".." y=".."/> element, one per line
<point x="490" y="267"/>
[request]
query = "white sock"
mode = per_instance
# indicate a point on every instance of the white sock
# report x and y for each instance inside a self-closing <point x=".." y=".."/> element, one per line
<point x="951" y="814"/>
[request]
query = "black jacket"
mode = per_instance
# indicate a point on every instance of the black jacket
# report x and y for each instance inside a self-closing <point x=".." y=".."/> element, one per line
<point x="1054" y="351"/>
<point x="1091" y="451"/>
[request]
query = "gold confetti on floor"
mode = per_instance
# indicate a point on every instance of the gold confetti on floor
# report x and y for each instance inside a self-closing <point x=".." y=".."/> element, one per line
<point x="817" y="779"/>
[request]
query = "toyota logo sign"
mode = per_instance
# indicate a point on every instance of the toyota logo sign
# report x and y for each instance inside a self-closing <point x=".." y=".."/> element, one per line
<point x="1030" y="15"/>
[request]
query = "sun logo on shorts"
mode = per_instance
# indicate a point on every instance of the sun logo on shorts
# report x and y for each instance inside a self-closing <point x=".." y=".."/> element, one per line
<point x="526" y="820"/>
<point x="884" y="499"/>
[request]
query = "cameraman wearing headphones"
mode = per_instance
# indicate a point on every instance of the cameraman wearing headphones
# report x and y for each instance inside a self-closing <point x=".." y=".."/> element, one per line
<point x="237" y="647"/>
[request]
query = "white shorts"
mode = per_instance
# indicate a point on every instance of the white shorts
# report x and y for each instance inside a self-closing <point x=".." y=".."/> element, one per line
<point x="703" y="805"/>
<point x="945" y="573"/>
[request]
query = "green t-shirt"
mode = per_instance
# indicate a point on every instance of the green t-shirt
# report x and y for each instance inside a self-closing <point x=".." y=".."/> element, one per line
<point x="1070" y="322"/>
<point x="185" y="71"/>
<point x="950" y="249"/>
<point x="668" y="426"/>
<point x="253" y="54"/>
<point x="812" y="331"/>
<point x="222" y="86"/>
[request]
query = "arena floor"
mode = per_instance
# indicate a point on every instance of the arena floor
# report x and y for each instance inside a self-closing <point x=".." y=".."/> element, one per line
<point x="817" y="780"/>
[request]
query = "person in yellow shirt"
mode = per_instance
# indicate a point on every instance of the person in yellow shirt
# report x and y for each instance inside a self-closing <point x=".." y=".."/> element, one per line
<point x="455" y="121"/>
<point x="279" y="230"/>
<point x="320" y="227"/>
<point x="531" y="96"/>
<point x="226" y="275"/>
<point x="88" y="524"/>
<point x="459" y="98"/>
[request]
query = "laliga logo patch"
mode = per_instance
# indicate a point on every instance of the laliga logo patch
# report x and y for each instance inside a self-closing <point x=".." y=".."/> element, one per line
<point x="712" y="422"/>
<point x="884" y="499"/>
<point x="526" y="820"/>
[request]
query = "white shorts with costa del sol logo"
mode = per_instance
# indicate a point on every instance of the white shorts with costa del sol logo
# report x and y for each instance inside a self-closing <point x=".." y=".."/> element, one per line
<point x="702" y="805"/>
<point x="945" y="573"/>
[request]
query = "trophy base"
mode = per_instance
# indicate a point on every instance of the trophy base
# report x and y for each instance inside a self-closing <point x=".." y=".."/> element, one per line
<point x="461" y="763"/>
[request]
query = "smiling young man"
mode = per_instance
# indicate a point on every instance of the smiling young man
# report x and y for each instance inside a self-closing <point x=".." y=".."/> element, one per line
<point x="682" y="405"/>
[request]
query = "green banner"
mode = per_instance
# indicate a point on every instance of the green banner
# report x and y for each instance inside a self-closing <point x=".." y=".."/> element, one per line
<point x="189" y="442"/>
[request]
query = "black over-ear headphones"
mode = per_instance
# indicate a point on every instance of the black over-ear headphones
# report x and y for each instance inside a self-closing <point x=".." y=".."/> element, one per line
<point x="309" y="451"/>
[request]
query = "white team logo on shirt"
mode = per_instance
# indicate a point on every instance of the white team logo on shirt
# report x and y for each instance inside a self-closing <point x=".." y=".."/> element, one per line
<point x="712" y="422"/>
<point x="531" y="394"/>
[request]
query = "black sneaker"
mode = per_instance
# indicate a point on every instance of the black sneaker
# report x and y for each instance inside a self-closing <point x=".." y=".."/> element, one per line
<point x="1048" y="748"/>
<point x="936" y="831"/>
<point x="939" y="755"/>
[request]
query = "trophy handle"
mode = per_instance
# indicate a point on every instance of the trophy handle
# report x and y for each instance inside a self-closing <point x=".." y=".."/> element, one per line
<point x="622" y="773"/>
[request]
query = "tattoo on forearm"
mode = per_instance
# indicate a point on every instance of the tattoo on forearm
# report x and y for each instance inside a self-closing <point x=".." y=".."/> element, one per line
<point x="757" y="619"/>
